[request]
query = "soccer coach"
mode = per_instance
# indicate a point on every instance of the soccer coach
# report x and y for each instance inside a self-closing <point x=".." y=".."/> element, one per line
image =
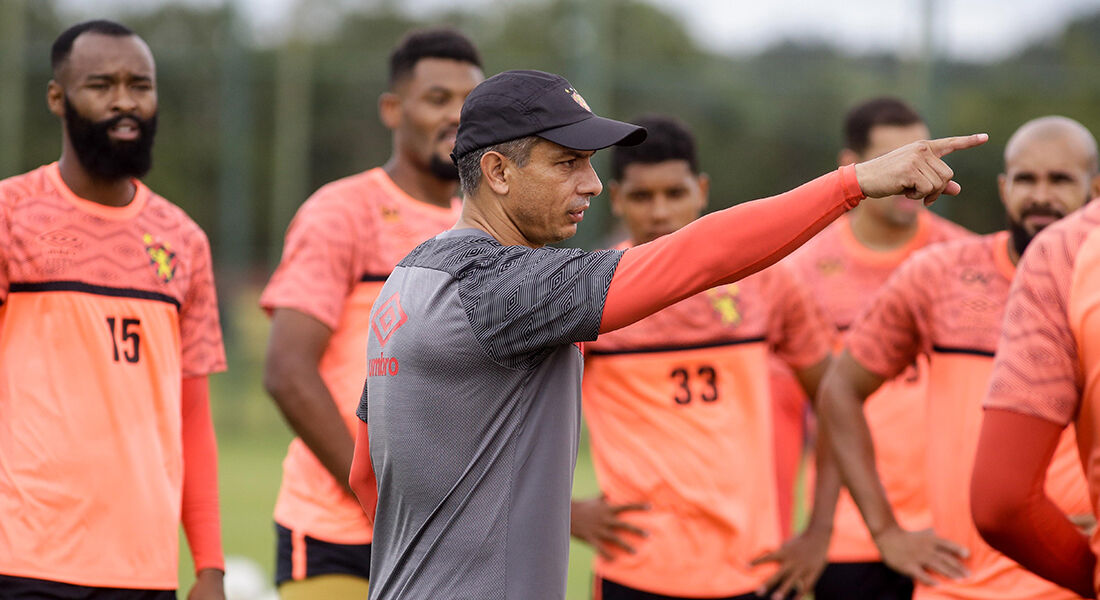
<point x="473" y="388"/>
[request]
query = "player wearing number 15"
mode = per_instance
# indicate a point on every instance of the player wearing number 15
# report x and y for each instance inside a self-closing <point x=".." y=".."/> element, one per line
<point x="108" y="330"/>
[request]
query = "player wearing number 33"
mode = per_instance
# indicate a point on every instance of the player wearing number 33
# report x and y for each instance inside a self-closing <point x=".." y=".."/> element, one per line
<point x="108" y="330"/>
<point x="678" y="404"/>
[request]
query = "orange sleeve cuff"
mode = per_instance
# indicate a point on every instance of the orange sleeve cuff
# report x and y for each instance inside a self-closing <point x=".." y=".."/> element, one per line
<point x="199" y="510"/>
<point x="853" y="194"/>
<point x="724" y="247"/>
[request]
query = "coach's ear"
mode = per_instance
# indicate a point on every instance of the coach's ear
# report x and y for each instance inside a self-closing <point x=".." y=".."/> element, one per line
<point x="494" y="169"/>
<point x="846" y="156"/>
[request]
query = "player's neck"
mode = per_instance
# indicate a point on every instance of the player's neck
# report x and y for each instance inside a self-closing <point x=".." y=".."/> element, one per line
<point x="420" y="185"/>
<point x="881" y="237"/>
<point x="108" y="192"/>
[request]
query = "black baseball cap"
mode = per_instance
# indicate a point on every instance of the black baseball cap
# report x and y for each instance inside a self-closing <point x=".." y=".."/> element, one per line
<point x="516" y="104"/>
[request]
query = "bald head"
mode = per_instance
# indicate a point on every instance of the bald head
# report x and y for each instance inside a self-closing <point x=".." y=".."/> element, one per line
<point x="1077" y="139"/>
<point x="1050" y="171"/>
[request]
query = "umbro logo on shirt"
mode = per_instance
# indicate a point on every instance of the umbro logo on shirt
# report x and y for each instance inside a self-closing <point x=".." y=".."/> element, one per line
<point x="388" y="318"/>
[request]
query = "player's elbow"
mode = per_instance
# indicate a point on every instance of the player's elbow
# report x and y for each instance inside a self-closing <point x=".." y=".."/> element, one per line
<point x="281" y="377"/>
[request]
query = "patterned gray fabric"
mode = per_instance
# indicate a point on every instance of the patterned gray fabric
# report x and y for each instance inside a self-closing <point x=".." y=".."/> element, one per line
<point x="474" y="413"/>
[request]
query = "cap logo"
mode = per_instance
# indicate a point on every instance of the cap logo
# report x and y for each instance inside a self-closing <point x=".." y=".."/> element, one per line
<point x="577" y="98"/>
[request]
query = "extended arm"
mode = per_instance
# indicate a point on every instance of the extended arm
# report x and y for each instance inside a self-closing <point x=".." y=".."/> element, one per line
<point x="1011" y="509"/>
<point x="292" y="378"/>
<point x="199" y="508"/>
<point x="730" y="244"/>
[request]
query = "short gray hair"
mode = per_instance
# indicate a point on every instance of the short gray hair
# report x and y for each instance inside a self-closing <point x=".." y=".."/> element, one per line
<point x="469" y="164"/>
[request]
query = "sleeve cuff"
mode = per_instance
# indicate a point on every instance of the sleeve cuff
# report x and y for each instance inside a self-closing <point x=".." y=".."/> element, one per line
<point x="849" y="184"/>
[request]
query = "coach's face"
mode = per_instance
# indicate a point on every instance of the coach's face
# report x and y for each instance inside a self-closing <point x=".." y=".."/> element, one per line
<point x="547" y="197"/>
<point x="105" y="92"/>
<point x="1045" y="179"/>
<point x="423" y="111"/>
<point x="655" y="199"/>
<point x="897" y="211"/>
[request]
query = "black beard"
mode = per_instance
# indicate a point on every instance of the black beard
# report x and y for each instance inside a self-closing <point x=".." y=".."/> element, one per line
<point x="107" y="159"/>
<point x="441" y="168"/>
<point x="1020" y="237"/>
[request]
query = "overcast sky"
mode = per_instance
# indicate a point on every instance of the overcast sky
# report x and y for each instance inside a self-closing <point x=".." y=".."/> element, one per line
<point x="970" y="29"/>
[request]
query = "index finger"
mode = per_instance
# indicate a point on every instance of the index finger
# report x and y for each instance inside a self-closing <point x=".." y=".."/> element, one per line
<point x="944" y="146"/>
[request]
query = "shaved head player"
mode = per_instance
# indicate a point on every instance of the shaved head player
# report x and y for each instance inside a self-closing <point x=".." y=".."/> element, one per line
<point x="1044" y="381"/>
<point x="108" y="330"/>
<point x="472" y="393"/>
<point x="946" y="303"/>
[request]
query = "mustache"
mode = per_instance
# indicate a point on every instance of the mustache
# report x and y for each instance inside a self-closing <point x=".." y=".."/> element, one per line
<point x="1042" y="210"/>
<point x="105" y="124"/>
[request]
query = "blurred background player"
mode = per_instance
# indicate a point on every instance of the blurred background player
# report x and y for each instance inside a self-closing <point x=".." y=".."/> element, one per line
<point x="1045" y="378"/>
<point x="845" y="265"/>
<point x="678" y="404"/>
<point x="946" y="303"/>
<point x="108" y="330"/>
<point x="339" y="249"/>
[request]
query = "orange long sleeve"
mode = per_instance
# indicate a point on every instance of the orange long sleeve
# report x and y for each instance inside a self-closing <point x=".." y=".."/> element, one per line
<point x="199" y="511"/>
<point x="724" y="246"/>
<point x="1011" y="509"/>
<point x="362" y="479"/>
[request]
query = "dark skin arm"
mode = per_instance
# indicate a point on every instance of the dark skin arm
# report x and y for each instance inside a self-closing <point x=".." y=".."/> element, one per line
<point x="208" y="585"/>
<point x="802" y="558"/>
<point x="292" y="378"/>
<point x="597" y="523"/>
<point x="914" y="553"/>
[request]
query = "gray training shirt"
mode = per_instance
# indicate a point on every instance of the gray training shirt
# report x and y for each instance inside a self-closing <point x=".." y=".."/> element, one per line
<point x="473" y="405"/>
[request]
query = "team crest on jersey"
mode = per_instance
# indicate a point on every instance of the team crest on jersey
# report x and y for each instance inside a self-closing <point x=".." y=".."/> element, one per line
<point x="577" y="98"/>
<point x="161" y="257"/>
<point x="726" y="302"/>
<point x="388" y="318"/>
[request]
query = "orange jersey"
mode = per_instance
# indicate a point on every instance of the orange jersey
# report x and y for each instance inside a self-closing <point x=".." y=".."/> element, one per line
<point x="845" y="275"/>
<point x="104" y="310"/>
<point x="340" y="247"/>
<point x="1048" y="360"/>
<point x="947" y="303"/>
<point x="680" y="417"/>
